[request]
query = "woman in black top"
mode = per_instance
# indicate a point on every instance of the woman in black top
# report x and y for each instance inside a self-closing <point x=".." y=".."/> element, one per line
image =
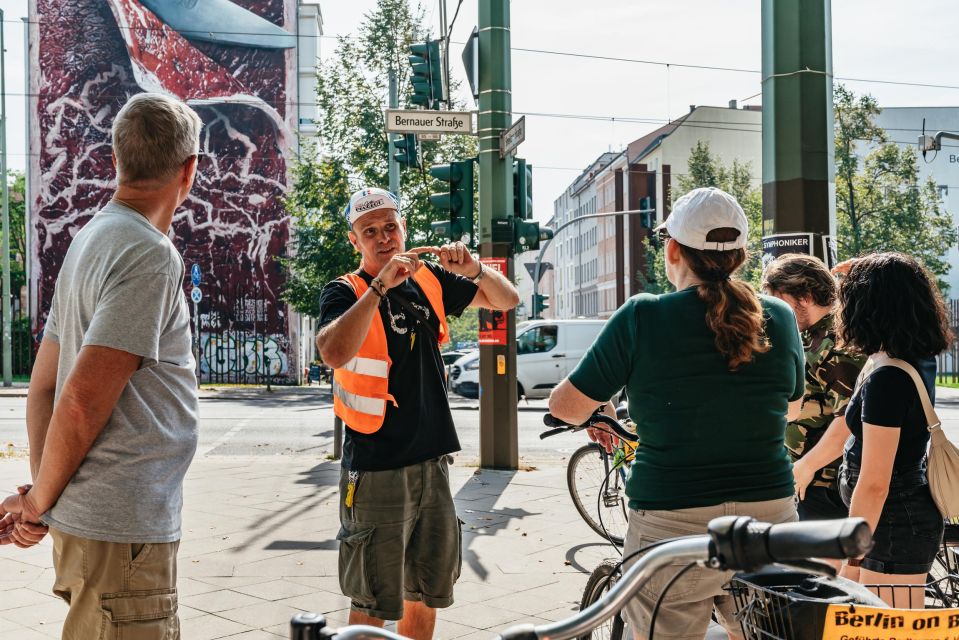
<point x="890" y="304"/>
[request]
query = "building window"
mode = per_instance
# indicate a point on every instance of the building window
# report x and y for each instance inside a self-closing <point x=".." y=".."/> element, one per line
<point x="943" y="190"/>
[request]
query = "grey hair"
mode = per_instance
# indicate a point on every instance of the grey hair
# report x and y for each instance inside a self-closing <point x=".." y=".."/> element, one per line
<point x="153" y="135"/>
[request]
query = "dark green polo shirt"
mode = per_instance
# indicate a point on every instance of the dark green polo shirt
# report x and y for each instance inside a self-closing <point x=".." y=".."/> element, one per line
<point x="708" y="435"/>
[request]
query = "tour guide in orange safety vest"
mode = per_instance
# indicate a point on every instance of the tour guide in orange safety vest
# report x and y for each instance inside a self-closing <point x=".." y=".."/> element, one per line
<point x="381" y="328"/>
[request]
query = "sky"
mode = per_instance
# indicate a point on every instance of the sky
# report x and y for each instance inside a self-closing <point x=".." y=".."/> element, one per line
<point x="872" y="39"/>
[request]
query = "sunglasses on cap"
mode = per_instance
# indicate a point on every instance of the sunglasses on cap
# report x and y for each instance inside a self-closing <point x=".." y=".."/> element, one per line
<point x="663" y="235"/>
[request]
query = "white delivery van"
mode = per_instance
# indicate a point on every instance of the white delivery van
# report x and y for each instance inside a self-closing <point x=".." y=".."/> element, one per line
<point x="546" y="351"/>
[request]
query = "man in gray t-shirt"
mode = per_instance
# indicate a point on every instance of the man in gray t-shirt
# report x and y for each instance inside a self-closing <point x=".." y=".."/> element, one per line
<point x="112" y="406"/>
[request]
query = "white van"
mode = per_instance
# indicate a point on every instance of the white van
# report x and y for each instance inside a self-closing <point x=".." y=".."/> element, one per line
<point x="546" y="352"/>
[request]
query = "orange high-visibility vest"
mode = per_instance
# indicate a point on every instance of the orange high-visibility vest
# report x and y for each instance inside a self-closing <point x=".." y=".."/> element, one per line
<point x="361" y="386"/>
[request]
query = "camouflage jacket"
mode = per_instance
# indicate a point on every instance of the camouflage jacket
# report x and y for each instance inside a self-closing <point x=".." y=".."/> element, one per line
<point x="830" y="379"/>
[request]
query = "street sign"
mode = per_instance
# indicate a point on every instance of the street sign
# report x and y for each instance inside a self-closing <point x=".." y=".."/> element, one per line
<point x="782" y="243"/>
<point x="492" y="324"/>
<point x="512" y="137"/>
<point x="427" y="121"/>
<point x="196" y="295"/>
<point x="195" y="275"/>
<point x="471" y="62"/>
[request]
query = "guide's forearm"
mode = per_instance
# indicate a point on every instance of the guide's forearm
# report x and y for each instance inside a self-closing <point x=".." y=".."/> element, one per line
<point x="340" y="340"/>
<point x="499" y="291"/>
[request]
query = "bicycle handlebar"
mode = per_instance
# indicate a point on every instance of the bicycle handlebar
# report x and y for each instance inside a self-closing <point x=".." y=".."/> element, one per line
<point x="734" y="543"/>
<point x="559" y="426"/>
<point x="742" y="544"/>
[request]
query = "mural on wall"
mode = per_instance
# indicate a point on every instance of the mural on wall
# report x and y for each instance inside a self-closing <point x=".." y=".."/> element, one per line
<point x="233" y="62"/>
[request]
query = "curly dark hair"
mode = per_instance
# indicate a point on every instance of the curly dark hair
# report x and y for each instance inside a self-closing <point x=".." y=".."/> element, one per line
<point x="891" y="303"/>
<point x="801" y="277"/>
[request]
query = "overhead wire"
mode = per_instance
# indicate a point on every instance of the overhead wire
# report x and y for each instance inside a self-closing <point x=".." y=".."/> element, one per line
<point x="555" y="52"/>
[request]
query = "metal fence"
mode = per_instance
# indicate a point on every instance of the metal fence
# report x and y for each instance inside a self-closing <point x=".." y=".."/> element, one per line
<point x="948" y="361"/>
<point x="237" y="347"/>
<point x="21" y="338"/>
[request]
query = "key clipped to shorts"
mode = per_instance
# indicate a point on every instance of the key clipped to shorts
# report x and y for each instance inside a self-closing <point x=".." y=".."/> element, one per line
<point x="354" y="477"/>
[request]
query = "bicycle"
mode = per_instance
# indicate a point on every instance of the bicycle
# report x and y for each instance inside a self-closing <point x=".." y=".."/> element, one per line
<point x="732" y="543"/>
<point x="597" y="479"/>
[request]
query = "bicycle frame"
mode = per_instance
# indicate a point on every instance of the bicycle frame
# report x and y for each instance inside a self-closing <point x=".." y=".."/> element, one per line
<point x="692" y="549"/>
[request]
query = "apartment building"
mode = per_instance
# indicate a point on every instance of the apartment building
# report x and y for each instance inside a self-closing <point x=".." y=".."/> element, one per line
<point x="600" y="261"/>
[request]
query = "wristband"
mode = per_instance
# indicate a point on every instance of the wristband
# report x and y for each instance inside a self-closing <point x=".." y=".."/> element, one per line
<point x="378" y="287"/>
<point x="854" y="562"/>
<point x="479" y="276"/>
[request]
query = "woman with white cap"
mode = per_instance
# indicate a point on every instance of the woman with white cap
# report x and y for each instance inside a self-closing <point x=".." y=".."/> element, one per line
<point x="710" y="371"/>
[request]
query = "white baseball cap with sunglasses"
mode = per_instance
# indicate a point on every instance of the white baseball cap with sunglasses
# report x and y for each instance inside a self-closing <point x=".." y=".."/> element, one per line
<point x="703" y="210"/>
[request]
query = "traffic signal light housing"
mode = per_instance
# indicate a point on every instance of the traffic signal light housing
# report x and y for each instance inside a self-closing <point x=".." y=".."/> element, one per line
<point x="540" y="304"/>
<point x="522" y="189"/>
<point x="456" y="204"/>
<point x="527" y="235"/>
<point x="428" y="79"/>
<point x="406" y="153"/>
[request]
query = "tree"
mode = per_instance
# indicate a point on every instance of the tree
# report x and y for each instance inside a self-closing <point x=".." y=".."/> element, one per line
<point x="705" y="170"/>
<point x="881" y="205"/>
<point x="352" y="92"/>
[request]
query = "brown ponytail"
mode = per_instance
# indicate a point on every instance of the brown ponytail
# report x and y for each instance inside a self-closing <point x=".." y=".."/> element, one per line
<point x="733" y="311"/>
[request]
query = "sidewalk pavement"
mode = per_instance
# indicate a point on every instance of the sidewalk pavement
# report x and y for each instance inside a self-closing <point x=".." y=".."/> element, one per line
<point x="259" y="545"/>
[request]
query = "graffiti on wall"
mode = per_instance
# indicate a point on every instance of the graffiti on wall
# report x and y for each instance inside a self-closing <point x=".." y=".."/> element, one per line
<point x="239" y="75"/>
<point x="227" y="355"/>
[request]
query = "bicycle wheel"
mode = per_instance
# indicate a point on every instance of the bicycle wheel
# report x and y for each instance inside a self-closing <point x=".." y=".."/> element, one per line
<point x="600" y="581"/>
<point x="586" y="475"/>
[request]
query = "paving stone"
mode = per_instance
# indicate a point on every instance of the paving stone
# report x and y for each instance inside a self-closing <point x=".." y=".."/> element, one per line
<point x="263" y="615"/>
<point x="275" y="590"/>
<point x="216" y="601"/>
<point x="209" y="627"/>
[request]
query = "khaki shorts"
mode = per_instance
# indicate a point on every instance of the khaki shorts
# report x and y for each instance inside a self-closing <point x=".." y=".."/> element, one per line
<point x="400" y="539"/>
<point x="687" y="607"/>
<point x="116" y="591"/>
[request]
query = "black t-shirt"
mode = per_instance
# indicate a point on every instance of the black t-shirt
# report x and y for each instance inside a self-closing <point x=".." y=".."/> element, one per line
<point x="420" y="427"/>
<point x="888" y="398"/>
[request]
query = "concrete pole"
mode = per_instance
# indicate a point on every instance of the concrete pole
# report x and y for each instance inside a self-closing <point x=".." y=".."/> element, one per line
<point x="5" y="259"/>
<point x="798" y="150"/>
<point x="499" y="447"/>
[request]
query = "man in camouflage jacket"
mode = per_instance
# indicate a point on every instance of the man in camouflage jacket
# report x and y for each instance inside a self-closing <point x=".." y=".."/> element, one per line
<point x="807" y="286"/>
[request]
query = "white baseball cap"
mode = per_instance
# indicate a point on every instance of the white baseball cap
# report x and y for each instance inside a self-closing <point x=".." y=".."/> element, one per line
<point x="699" y="212"/>
<point x="366" y="200"/>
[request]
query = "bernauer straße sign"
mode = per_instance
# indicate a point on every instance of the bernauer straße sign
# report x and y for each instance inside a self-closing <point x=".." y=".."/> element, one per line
<point x="423" y="121"/>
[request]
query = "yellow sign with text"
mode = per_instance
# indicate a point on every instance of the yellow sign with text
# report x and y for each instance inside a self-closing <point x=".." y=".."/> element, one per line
<point x="844" y="622"/>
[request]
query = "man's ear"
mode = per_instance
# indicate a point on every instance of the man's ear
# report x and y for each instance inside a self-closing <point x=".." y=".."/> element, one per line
<point x="189" y="169"/>
<point x="403" y="224"/>
<point x="352" y="237"/>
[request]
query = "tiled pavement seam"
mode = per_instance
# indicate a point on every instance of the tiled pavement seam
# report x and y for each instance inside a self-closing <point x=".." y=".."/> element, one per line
<point x="259" y="545"/>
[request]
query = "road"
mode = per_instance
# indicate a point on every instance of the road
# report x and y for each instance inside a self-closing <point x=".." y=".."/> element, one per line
<point x="299" y="422"/>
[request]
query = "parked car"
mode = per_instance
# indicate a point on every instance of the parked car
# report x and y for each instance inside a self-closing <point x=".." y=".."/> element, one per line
<point x="546" y="351"/>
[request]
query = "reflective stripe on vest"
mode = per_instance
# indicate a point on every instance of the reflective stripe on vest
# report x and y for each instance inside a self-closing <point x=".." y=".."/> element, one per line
<point x="361" y="386"/>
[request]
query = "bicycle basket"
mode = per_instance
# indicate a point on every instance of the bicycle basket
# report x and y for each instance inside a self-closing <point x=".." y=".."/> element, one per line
<point x="780" y="604"/>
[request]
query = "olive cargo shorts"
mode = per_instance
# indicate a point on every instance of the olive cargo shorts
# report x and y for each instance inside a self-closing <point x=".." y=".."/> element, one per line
<point x="400" y="538"/>
<point x="116" y="591"/>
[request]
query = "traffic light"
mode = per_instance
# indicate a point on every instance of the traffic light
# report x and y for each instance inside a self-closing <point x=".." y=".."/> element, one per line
<point x="540" y="304"/>
<point x="456" y="205"/>
<point x="527" y="235"/>
<point x="648" y="215"/>
<point x="522" y="189"/>
<point x="406" y="155"/>
<point x="428" y="79"/>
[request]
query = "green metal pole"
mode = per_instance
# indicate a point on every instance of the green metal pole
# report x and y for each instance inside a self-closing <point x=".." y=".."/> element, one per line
<point x="394" y="167"/>
<point x="499" y="445"/>
<point x="798" y="153"/>
<point x="5" y="260"/>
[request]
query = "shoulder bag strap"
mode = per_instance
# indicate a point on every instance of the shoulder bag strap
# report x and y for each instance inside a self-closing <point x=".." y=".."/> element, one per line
<point x="413" y="311"/>
<point x="882" y="360"/>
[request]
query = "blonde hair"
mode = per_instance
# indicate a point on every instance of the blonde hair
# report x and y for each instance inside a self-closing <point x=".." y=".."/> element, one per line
<point x="153" y="135"/>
